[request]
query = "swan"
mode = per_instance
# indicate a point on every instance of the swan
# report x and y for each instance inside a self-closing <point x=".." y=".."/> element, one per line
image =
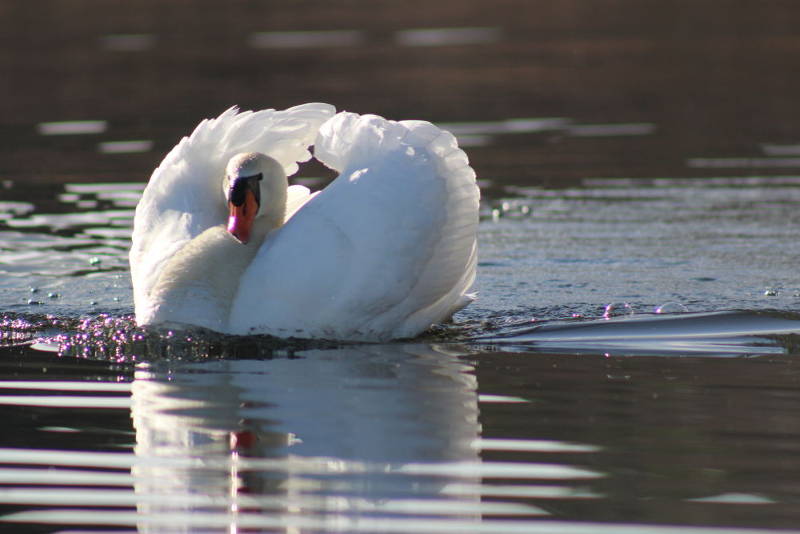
<point x="388" y="249"/>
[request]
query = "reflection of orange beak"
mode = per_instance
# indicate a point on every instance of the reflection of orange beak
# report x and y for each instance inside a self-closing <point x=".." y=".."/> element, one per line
<point x="240" y="221"/>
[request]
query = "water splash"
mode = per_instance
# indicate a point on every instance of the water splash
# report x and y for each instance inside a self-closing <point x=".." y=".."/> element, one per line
<point x="618" y="309"/>
<point x="671" y="307"/>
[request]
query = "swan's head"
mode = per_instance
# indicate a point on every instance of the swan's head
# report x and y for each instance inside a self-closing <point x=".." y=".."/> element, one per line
<point x="255" y="186"/>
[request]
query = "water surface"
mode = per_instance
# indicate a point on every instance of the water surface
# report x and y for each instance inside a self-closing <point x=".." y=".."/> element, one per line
<point x="561" y="400"/>
<point x="629" y="365"/>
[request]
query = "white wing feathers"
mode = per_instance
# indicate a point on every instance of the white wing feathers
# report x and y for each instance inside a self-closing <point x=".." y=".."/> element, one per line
<point x="385" y="251"/>
<point x="184" y="196"/>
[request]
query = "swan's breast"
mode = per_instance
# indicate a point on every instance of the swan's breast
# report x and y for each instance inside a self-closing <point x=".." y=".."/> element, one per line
<point x="198" y="284"/>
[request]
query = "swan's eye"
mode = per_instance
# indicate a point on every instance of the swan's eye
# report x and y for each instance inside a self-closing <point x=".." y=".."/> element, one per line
<point x="240" y="186"/>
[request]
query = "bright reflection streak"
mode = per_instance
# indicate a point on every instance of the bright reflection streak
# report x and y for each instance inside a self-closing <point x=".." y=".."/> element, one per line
<point x="66" y="386"/>
<point x="104" y="187"/>
<point x="522" y="491"/>
<point x="509" y="126"/>
<point x="734" y="498"/>
<point x="485" y="398"/>
<point x="741" y="163"/>
<point x="128" y="498"/>
<point x="62" y="477"/>
<point x="513" y="470"/>
<point x="65" y="401"/>
<point x="526" y="445"/>
<point x="447" y="36"/>
<point x="72" y="127"/>
<point x="780" y="150"/>
<point x="113" y="460"/>
<point x="125" y="147"/>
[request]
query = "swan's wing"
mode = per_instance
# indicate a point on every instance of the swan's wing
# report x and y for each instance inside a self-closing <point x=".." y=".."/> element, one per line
<point x="296" y="197"/>
<point x="386" y="250"/>
<point x="184" y="195"/>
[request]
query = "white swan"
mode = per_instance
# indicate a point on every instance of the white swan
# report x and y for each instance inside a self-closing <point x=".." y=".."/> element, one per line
<point x="385" y="251"/>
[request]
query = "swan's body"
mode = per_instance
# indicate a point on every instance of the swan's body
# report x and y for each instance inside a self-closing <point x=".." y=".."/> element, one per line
<point x="385" y="251"/>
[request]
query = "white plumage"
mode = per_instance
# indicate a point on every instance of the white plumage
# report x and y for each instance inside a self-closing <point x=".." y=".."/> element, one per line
<point x="385" y="251"/>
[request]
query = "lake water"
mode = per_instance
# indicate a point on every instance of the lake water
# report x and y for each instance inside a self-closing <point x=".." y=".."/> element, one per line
<point x="629" y="365"/>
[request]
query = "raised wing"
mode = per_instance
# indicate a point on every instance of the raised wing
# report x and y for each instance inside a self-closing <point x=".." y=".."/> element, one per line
<point x="184" y="196"/>
<point x="386" y="250"/>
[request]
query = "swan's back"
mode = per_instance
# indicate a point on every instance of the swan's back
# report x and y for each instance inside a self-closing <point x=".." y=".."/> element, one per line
<point x="385" y="251"/>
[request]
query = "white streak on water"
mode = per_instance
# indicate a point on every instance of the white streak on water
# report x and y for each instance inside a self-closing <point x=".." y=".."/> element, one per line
<point x="65" y="401"/>
<point x="125" y="147"/>
<point x="509" y="126"/>
<point x="66" y="386"/>
<point x="500" y="399"/>
<point x="110" y="233"/>
<point x="527" y="491"/>
<point x="10" y="209"/>
<point x="104" y="187"/>
<point x="448" y="36"/>
<point x="532" y="445"/>
<point x="70" y="220"/>
<point x="538" y="471"/>
<point x="734" y="498"/>
<point x="87" y="127"/>
<point x="741" y="163"/>
<point x="127" y="498"/>
<point x="780" y="150"/>
<point x="64" y="477"/>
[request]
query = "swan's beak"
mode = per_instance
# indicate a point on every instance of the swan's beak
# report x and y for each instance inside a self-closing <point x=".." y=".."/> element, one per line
<point x="244" y="198"/>
<point x="240" y="220"/>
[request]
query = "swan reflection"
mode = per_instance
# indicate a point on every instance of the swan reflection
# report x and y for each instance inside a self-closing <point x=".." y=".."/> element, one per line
<point x="318" y="440"/>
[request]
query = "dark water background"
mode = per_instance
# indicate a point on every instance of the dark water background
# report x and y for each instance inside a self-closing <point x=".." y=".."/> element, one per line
<point x="633" y="156"/>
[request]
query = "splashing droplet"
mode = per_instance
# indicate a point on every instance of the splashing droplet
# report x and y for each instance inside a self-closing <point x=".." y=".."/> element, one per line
<point x="672" y="307"/>
<point x="617" y="309"/>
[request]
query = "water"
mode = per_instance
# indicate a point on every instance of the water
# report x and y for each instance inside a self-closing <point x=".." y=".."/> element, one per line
<point x="629" y="365"/>
<point x="560" y="401"/>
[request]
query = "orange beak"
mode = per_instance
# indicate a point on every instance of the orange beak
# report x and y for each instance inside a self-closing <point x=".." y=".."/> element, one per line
<point x="240" y="220"/>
